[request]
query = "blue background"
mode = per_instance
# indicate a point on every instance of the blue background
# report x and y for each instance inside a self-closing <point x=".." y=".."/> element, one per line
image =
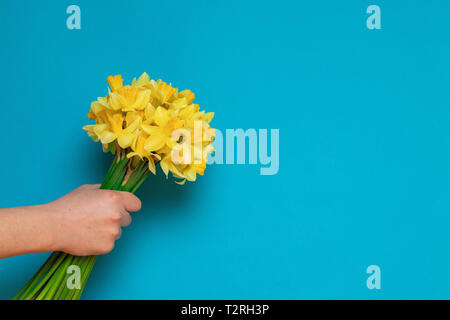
<point x="364" y="143"/>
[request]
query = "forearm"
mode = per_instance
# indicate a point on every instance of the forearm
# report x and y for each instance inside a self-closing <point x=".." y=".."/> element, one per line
<point x="26" y="230"/>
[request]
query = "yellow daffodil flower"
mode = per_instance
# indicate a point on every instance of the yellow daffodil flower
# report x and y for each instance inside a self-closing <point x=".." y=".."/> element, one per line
<point x="142" y="119"/>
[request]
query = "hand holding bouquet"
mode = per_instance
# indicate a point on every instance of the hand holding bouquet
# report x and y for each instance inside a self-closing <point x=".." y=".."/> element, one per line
<point x="143" y="124"/>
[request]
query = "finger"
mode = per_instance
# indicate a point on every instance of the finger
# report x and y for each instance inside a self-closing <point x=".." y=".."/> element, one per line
<point x="119" y="234"/>
<point x="125" y="220"/>
<point x="131" y="203"/>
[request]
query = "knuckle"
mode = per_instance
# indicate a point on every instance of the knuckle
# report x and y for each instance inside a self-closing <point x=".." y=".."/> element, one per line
<point x="115" y="216"/>
<point x="107" y="247"/>
<point x="113" y="197"/>
<point x="115" y="232"/>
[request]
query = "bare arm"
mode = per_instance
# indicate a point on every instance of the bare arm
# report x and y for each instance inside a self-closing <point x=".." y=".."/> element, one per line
<point x="86" y="221"/>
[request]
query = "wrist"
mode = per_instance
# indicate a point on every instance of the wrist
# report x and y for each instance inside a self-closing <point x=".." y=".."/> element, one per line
<point x="48" y="222"/>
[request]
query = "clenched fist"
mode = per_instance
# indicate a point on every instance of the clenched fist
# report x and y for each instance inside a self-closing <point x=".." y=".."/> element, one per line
<point x="88" y="220"/>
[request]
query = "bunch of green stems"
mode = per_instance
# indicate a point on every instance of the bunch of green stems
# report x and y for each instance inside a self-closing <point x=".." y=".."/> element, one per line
<point x="50" y="282"/>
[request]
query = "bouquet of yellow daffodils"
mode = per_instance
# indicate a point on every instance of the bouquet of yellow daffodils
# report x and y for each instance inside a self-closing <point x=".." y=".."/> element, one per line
<point x="143" y="124"/>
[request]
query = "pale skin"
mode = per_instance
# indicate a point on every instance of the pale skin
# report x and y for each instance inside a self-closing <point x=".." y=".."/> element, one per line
<point x="86" y="221"/>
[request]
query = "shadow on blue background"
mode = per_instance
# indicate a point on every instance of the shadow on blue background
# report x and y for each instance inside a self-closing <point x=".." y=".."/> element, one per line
<point x="364" y="143"/>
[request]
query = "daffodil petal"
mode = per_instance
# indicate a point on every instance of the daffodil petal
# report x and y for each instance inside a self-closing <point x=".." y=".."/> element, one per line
<point x="115" y="82"/>
<point x="151" y="165"/>
<point x="154" y="142"/>
<point x="190" y="173"/>
<point x="134" y="154"/>
<point x="142" y="99"/>
<point x="161" y="116"/>
<point x="125" y="140"/>
<point x="143" y="79"/>
<point x="133" y="126"/>
<point x="208" y="116"/>
<point x="107" y="137"/>
<point x="182" y="182"/>
<point x="165" y="167"/>
<point x="99" y="128"/>
<point x="151" y="130"/>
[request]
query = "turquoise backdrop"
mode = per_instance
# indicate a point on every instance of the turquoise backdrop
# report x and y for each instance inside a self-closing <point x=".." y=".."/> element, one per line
<point x="364" y="176"/>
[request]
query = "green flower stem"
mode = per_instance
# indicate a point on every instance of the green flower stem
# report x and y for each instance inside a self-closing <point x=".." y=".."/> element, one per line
<point x="61" y="286"/>
<point x="117" y="175"/>
<point x="53" y="268"/>
<point x="63" y="290"/>
<point x="55" y="280"/>
<point x="112" y="168"/>
<point x="46" y="268"/>
<point x="66" y="293"/>
<point x="90" y="265"/>
<point x="138" y="184"/>
<point x="30" y="284"/>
